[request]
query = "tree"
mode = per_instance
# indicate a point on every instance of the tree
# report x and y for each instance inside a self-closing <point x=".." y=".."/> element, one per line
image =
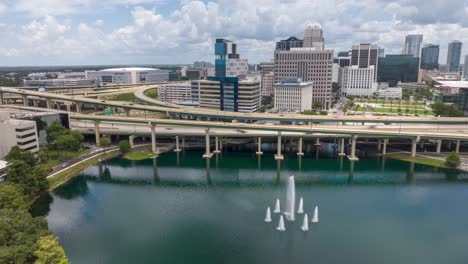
<point x="124" y="146"/>
<point x="104" y="142"/>
<point x="317" y="105"/>
<point x="18" y="154"/>
<point x="49" y="251"/>
<point x="54" y="130"/>
<point x="452" y="160"/>
<point x="32" y="182"/>
<point x="19" y="232"/>
<point x="11" y="197"/>
<point x="43" y="153"/>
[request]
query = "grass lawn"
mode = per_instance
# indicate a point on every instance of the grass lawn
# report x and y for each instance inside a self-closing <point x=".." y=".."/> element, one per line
<point x="130" y="97"/>
<point x="56" y="157"/>
<point x="65" y="175"/>
<point x="418" y="159"/>
<point x="139" y="155"/>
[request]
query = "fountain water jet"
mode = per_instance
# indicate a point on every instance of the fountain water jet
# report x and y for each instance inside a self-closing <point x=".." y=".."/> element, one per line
<point x="281" y="224"/>
<point x="301" y="206"/>
<point x="268" y="215"/>
<point x="315" y="219"/>
<point x="290" y="200"/>
<point x="305" y="223"/>
<point x="277" y="207"/>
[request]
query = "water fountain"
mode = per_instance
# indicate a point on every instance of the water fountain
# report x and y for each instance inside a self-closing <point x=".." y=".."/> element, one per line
<point x="301" y="206"/>
<point x="315" y="219"/>
<point x="268" y="215"/>
<point x="290" y="200"/>
<point x="305" y="223"/>
<point x="277" y="207"/>
<point x="281" y="224"/>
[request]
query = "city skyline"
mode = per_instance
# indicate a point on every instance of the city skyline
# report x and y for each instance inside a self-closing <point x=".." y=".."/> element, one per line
<point x="52" y="32"/>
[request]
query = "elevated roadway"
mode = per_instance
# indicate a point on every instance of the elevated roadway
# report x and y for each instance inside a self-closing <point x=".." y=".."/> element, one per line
<point x="191" y="113"/>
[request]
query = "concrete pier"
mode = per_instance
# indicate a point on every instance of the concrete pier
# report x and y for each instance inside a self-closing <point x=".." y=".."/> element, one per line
<point x="97" y="133"/>
<point x="259" y="146"/>
<point x="217" y="150"/>
<point x="299" y="148"/>
<point x="353" y="149"/>
<point x="153" y="139"/>
<point x="208" y="153"/>
<point x="278" y="155"/>
<point x="177" y="149"/>
<point x="342" y="148"/>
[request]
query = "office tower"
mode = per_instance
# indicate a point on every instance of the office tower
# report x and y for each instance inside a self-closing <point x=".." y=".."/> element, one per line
<point x="413" y="45"/>
<point x="453" y="55"/>
<point x="364" y="56"/>
<point x="313" y="37"/>
<point x="228" y="62"/>
<point x="227" y="94"/>
<point x="398" y="68"/>
<point x="293" y="95"/>
<point x="266" y="67"/>
<point x="430" y="57"/>
<point x="357" y="81"/>
<point x="343" y="59"/>
<point x="310" y="65"/>
<point x="289" y="43"/>
<point x="16" y="132"/>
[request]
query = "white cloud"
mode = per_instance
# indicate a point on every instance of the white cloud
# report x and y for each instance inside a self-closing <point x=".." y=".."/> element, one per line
<point x="188" y="32"/>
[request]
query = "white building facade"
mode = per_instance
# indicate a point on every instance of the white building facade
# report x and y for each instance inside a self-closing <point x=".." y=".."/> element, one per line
<point x="267" y="83"/>
<point x="293" y="96"/>
<point x="236" y="67"/>
<point x="17" y="132"/>
<point x="175" y="92"/>
<point x="128" y="76"/>
<point x="357" y="81"/>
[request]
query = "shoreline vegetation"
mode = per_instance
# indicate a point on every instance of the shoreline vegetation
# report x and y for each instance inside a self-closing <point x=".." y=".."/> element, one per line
<point x="418" y="160"/>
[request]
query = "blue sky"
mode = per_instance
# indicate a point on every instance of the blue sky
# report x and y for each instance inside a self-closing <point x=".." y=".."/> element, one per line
<point x="73" y="32"/>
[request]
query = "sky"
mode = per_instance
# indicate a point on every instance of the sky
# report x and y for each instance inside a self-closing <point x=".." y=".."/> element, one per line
<point x="100" y="32"/>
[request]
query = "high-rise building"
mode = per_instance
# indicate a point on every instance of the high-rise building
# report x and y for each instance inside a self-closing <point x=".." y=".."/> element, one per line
<point x="453" y="55"/>
<point x="175" y="92"/>
<point x="343" y="59"/>
<point x="413" y="45"/>
<point x="430" y="57"/>
<point x="357" y="81"/>
<point x="267" y="83"/>
<point x="293" y="95"/>
<point x="266" y="67"/>
<point x="228" y="94"/>
<point x="465" y="69"/>
<point x="287" y="44"/>
<point x="398" y="68"/>
<point x="313" y="37"/>
<point x="228" y="62"/>
<point x="364" y="56"/>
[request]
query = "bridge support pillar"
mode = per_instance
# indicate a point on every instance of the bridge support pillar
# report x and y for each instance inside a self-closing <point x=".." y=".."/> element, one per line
<point x="127" y="112"/>
<point x="217" y="150"/>
<point x="413" y="148"/>
<point x="177" y="149"/>
<point x="153" y="139"/>
<point x="353" y="149"/>
<point x="317" y="142"/>
<point x="1" y="97"/>
<point x="131" y="140"/>
<point x="439" y="146"/>
<point x="48" y="104"/>
<point x="278" y="155"/>
<point x="421" y="144"/>
<point x="379" y="144"/>
<point x="78" y="107"/>
<point x="457" y="147"/>
<point x="259" y="146"/>
<point x="207" y="154"/>
<point x="384" y="147"/>
<point x="25" y="100"/>
<point x="183" y="142"/>
<point x="35" y="103"/>
<point x="68" y="105"/>
<point x="342" y="144"/>
<point x="97" y="133"/>
<point x="299" y="148"/>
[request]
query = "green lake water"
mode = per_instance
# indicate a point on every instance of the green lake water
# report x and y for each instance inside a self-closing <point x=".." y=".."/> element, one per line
<point x="185" y="209"/>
